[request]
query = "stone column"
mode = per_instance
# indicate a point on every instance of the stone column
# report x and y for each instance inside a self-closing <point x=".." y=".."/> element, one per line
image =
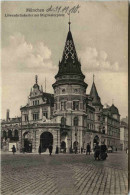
<point x="37" y="140"/>
<point x="49" y="112"/>
<point x="40" y="117"/>
<point x="33" y="138"/>
<point x="29" y="116"/>
<point x="54" y="141"/>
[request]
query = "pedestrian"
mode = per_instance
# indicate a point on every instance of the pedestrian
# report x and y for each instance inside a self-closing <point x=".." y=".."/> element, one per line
<point x="97" y="151"/>
<point x="81" y="150"/>
<point x="88" y="149"/>
<point x="13" y="149"/>
<point x="39" y="150"/>
<point x="103" y="147"/>
<point x="50" y="149"/>
<point x="76" y="149"/>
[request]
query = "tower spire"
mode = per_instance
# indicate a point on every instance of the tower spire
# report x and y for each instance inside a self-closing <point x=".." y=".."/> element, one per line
<point x="36" y="79"/>
<point x="113" y="101"/>
<point x="93" y="78"/>
<point x="69" y="21"/>
<point x="45" y="84"/>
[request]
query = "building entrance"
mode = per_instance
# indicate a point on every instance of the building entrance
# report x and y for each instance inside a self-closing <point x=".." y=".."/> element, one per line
<point x="46" y="139"/>
<point x="27" y="146"/>
<point x="27" y="143"/>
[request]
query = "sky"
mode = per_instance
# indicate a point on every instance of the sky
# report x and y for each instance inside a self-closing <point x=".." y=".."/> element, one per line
<point x="34" y="45"/>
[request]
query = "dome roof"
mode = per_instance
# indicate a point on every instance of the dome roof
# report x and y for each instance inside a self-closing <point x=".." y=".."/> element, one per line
<point x="114" y="109"/>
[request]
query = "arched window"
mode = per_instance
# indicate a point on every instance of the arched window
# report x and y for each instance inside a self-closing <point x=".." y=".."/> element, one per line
<point x="63" y="121"/>
<point x="4" y="133"/>
<point x="76" y="121"/>
<point x="9" y="134"/>
<point x="16" y="133"/>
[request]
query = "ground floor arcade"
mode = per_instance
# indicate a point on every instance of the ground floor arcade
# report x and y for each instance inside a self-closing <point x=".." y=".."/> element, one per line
<point x="63" y="139"/>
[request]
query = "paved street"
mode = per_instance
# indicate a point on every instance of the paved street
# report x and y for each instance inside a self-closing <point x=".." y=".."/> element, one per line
<point x="69" y="174"/>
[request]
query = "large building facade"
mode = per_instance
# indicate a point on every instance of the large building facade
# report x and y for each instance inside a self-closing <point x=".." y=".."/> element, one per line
<point x="68" y="118"/>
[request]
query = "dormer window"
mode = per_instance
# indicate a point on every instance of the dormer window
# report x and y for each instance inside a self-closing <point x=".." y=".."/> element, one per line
<point x="36" y="102"/>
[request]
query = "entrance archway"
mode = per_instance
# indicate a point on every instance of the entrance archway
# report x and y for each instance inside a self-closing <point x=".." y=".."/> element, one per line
<point x="63" y="145"/>
<point x="27" y="143"/>
<point x="46" y="139"/>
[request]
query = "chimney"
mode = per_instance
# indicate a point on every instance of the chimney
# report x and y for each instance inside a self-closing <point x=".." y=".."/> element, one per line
<point x="7" y="115"/>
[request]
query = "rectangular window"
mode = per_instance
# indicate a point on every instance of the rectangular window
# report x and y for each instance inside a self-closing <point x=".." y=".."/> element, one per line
<point x="26" y="117"/>
<point x="35" y="116"/>
<point x="75" y="105"/>
<point x="45" y="114"/>
<point x="63" y="105"/>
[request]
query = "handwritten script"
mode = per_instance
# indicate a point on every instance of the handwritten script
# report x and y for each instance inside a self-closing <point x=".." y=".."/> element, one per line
<point x="56" y="9"/>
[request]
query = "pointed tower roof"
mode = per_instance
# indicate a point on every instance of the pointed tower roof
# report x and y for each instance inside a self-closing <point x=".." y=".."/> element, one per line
<point x="36" y="83"/>
<point x="94" y="94"/>
<point x="114" y="109"/>
<point x="69" y="53"/>
<point x="69" y="63"/>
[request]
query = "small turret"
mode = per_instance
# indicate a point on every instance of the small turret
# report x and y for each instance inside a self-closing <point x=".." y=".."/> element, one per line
<point x="94" y="94"/>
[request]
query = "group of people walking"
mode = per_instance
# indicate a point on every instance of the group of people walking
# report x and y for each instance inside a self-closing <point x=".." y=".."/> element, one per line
<point x="88" y="149"/>
<point x="100" y="152"/>
<point x="97" y="150"/>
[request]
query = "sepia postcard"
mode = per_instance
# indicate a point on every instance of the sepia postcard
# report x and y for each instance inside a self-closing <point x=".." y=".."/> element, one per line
<point x="64" y="98"/>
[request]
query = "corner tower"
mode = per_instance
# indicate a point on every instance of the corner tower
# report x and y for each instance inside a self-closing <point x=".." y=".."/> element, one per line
<point x="70" y="92"/>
